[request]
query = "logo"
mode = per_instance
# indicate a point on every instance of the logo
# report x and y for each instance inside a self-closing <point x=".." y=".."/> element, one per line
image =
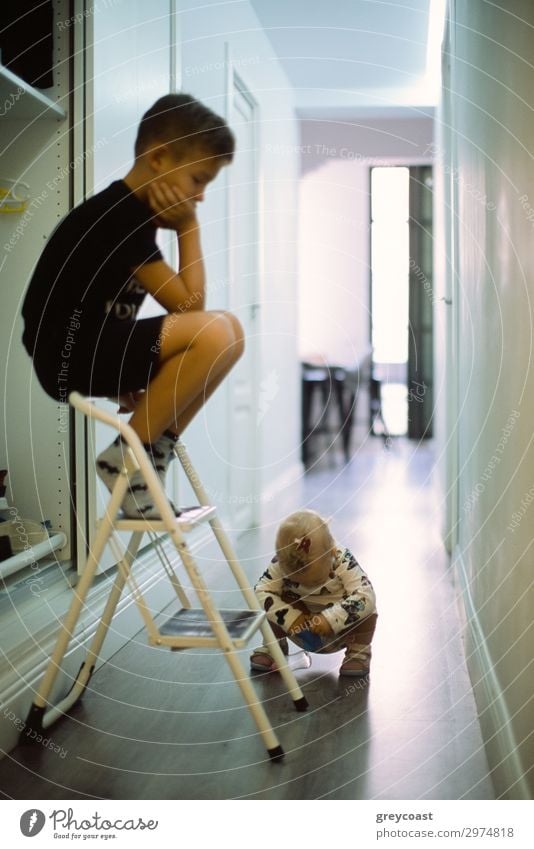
<point x="32" y="822"/>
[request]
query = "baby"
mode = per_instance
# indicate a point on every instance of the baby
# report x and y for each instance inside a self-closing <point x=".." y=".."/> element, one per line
<point x="315" y="593"/>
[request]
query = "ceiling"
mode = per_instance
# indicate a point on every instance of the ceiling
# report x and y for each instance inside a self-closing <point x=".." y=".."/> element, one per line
<point x="348" y="56"/>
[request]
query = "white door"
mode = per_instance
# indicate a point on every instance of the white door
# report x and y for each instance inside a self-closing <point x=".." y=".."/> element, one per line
<point x="243" y="232"/>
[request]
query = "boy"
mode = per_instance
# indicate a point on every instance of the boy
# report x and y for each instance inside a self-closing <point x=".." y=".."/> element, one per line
<point x="98" y="266"/>
<point x="315" y="593"/>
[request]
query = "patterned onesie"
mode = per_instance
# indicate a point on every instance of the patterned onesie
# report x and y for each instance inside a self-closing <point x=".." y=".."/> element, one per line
<point x="346" y="600"/>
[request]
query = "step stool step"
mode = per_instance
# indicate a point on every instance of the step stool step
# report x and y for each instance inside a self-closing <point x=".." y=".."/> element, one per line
<point x="190" y="628"/>
<point x="189" y="518"/>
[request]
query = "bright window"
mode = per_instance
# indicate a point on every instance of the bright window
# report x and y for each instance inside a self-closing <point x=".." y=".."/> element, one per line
<point x="390" y="263"/>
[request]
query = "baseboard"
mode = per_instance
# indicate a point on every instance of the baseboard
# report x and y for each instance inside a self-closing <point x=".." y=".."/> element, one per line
<point x="495" y="722"/>
<point x="22" y="669"/>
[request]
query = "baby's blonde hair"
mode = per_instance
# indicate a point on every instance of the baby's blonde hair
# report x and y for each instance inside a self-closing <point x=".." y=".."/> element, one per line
<point x="302" y="540"/>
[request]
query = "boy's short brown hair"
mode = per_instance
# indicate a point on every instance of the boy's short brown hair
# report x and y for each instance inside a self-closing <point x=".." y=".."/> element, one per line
<point x="183" y="122"/>
<point x="303" y="540"/>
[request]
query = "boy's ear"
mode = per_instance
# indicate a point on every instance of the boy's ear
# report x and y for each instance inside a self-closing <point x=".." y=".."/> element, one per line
<point x="157" y="158"/>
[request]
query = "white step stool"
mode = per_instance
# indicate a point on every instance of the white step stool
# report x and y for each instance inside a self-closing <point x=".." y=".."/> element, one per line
<point x="189" y="628"/>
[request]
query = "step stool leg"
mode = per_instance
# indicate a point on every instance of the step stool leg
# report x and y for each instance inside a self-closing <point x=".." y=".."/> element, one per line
<point x="249" y="595"/>
<point x="111" y="604"/>
<point x="257" y="711"/>
<point x="37" y="718"/>
<point x="300" y="701"/>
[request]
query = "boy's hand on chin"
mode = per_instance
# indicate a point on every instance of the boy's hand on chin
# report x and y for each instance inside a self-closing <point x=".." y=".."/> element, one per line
<point x="173" y="210"/>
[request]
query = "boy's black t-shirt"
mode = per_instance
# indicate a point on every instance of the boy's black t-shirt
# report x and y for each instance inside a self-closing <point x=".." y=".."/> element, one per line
<point x="86" y="266"/>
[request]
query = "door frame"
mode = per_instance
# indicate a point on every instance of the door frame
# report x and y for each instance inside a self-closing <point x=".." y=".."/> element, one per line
<point x="236" y="83"/>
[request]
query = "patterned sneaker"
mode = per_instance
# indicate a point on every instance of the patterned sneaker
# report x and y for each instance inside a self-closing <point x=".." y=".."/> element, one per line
<point x="356" y="663"/>
<point x="138" y="502"/>
<point x="261" y="659"/>
<point x="161" y="453"/>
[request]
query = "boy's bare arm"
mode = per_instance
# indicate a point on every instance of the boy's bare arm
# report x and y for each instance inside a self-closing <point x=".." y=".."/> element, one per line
<point x="168" y="287"/>
<point x="185" y="290"/>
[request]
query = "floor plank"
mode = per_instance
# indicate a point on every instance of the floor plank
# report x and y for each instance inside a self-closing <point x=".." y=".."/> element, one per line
<point x="157" y="725"/>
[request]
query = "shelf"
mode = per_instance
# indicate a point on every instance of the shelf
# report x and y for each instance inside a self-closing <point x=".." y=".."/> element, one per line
<point x="20" y="101"/>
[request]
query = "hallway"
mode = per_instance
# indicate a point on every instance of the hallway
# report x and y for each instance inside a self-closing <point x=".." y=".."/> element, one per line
<point x="152" y="726"/>
<point x="321" y="100"/>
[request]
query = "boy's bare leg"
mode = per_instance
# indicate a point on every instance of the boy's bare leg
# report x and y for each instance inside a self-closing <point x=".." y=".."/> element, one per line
<point x="197" y="351"/>
<point x="190" y="412"/>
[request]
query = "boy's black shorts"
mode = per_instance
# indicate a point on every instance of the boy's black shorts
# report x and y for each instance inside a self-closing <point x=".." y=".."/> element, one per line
<point x="121" y="357"/>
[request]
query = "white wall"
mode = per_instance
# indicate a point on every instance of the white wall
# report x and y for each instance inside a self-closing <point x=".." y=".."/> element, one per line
<point x="334" y="232"/>
<point x="211" y="42"/>
<point x="490" y="272"/>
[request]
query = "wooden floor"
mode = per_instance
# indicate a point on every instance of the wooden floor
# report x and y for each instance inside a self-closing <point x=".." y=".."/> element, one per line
<point x="158" y="725"/>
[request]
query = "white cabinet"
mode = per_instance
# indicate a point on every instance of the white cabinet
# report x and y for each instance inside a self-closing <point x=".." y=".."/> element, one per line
<point x="34" y="147"/>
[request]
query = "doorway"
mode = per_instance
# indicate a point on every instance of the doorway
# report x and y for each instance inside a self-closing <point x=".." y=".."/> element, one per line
<point x="401" y="301"/>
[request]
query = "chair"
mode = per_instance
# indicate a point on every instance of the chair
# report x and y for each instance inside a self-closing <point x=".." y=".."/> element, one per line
<point x="336" y="385"/>
<point x="191" y="627"/>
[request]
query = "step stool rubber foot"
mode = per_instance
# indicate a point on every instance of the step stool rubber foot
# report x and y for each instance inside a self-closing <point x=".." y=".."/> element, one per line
<point x="301" y="704"/>
<point x="91" y="670"/>
<point x="276" y="754"/>
<point x="33" y="726"/>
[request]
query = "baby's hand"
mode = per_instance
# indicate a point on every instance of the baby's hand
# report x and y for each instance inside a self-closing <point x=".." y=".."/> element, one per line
<point x="319" y="625"/>
<point x="174" y="211"/>
<point x="300" y="624"/>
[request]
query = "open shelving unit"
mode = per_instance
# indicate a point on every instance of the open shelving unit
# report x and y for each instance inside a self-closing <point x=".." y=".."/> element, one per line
<point x="35" y="150"/>
<point x="22" y="101"/>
